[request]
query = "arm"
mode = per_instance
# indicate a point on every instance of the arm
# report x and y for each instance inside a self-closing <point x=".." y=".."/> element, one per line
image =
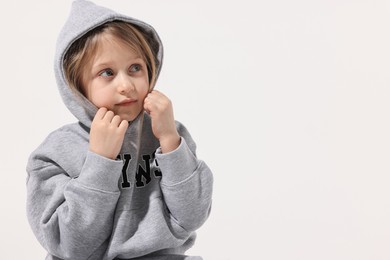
<point x="73" y="217"/>
<point x="187" y="184"/>
<point x="187" y="181"/>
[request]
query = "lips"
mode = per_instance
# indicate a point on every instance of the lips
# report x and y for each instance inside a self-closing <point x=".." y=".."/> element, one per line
<point x="127" y="101"/>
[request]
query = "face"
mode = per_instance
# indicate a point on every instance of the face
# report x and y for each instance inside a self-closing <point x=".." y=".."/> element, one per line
<point x="116" y="78"/>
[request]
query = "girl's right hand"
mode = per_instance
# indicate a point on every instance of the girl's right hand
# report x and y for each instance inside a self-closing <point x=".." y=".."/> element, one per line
<point x="107" y="133"/>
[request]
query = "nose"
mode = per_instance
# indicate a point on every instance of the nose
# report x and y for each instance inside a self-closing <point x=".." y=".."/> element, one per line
<point x="125" y="83"/>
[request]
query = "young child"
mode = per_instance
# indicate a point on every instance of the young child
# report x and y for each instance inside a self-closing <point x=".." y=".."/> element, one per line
<point x="124" y="181"/>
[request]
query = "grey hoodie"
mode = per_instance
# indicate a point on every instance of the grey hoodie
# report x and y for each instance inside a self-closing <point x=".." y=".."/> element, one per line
<point x="84" y="206"/>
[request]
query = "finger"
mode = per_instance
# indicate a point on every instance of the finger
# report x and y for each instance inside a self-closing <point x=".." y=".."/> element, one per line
<point x="123" y="126"/>
<point x="158" y="97"/>
<point x="159" y="94"/>
<point x="151" y="99"/>
<point x="156" y="92"/>
<point x="100" y="113"/>
<point x="116" y="120"/>
<point x="148" y="97"/>
<point x="148" y="107"/>
<point x="108" y="116"/>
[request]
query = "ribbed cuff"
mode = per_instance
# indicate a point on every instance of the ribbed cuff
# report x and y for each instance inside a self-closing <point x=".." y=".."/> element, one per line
<point x="100" y="173"/>
<point x="177" y="165"/>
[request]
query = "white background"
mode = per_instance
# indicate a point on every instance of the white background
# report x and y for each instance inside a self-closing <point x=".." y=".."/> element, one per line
<point x="288" y="102"/>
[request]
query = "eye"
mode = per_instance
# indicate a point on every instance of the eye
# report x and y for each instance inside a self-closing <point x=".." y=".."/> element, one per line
<point x="106" y="73"/>
<point x="135" y="67"/>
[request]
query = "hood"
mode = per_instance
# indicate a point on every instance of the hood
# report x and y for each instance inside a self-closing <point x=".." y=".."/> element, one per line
<point x="83" y="17"/>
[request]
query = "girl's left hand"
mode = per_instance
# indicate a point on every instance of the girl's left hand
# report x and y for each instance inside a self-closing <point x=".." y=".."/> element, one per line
<point x="160" y="109"/>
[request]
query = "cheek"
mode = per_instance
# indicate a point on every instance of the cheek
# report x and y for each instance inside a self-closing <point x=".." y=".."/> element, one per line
<point x="101" y="98"/>
<point x="144" y="93"/>
<point x="143" y="88"/>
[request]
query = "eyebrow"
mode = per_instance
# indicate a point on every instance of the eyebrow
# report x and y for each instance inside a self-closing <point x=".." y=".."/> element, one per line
<point x="101" y="65"/>
<point x="109" y="63"/>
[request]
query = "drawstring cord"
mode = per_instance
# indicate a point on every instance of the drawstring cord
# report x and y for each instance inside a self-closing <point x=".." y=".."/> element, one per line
<point x="140" y="126"/>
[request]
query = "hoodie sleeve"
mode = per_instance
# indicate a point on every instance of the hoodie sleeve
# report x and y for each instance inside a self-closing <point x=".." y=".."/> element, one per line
<point x="71" y="217"/>
<point x="187" y="183"/>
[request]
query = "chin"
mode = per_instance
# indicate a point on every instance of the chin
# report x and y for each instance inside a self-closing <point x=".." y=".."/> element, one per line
<point x="128" y="117"/>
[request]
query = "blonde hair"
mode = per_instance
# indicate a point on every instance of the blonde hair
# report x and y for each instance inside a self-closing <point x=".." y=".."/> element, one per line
<point x="82" y="51"/>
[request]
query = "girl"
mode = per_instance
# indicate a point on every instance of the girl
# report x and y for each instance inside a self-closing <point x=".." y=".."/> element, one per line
<point x="124" y="181"/>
